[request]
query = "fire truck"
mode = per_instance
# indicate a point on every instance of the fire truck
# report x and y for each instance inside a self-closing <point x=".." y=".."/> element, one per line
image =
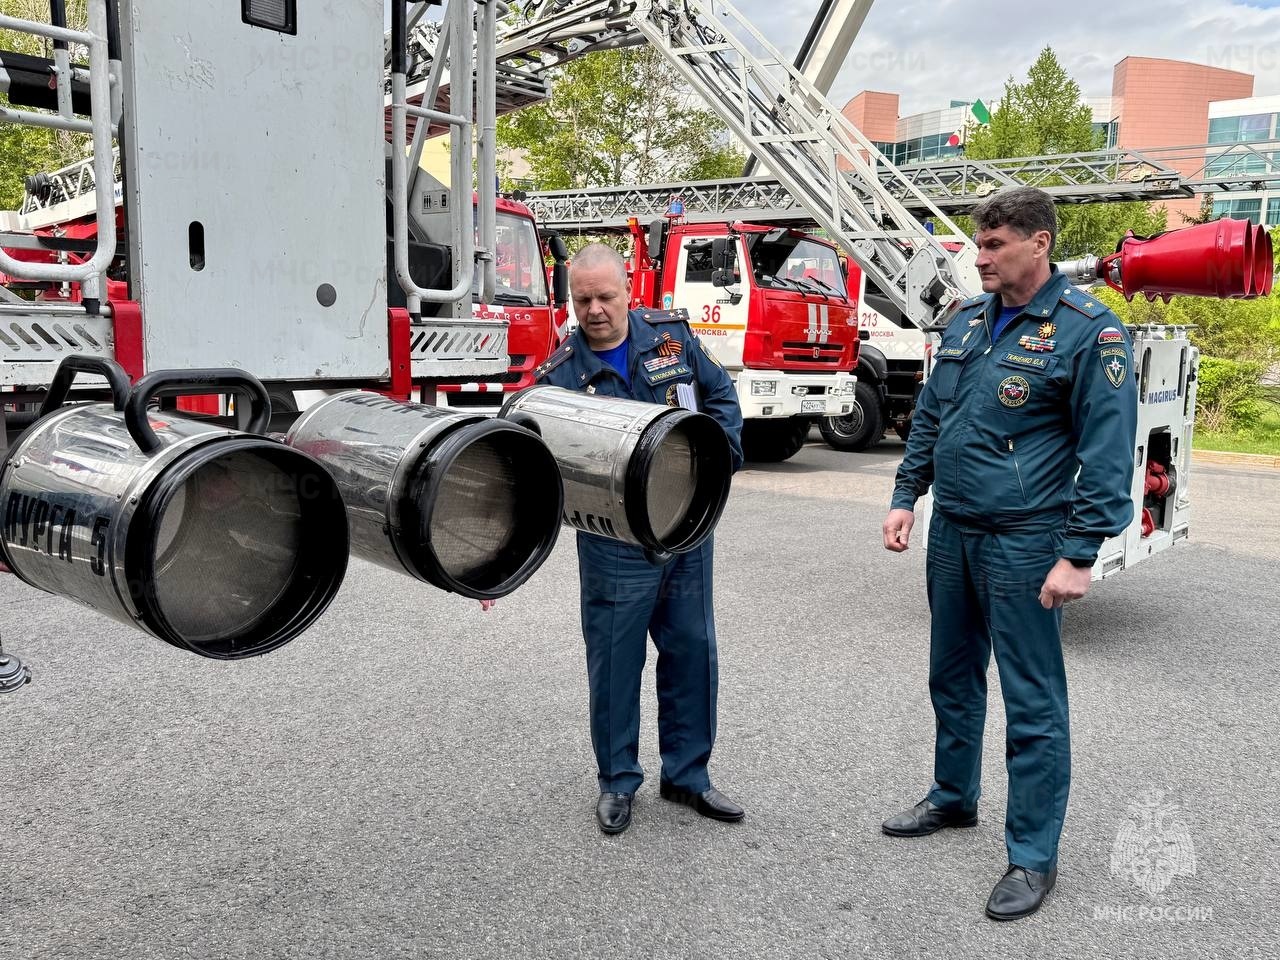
<point x="891" y="366"/>
<point x="771" y="305"/>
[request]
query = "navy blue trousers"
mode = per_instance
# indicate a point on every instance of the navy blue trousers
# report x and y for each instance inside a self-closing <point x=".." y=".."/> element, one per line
<point x="984" y="595"/>
<point x="625" y="599"/>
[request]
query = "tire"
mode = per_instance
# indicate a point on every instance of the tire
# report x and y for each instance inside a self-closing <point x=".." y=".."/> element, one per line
<point x="860" y="429"/>
<point x="282" y="401"/>
<point x="772" y="441"/>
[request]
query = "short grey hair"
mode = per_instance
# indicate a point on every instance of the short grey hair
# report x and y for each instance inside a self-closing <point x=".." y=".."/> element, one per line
<point x="599" y="255"/>
<point x="1025" y="209"/>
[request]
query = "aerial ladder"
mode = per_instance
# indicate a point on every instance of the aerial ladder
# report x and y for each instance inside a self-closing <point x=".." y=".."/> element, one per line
<point x="806" y="144"/>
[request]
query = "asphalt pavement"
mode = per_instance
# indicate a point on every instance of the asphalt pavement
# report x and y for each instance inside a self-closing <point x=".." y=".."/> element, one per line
<point x="413" y="777"/>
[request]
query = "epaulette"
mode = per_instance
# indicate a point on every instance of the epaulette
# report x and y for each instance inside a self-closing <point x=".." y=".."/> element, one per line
<point x="964" y="306"/>
<point x="1083" y="303"/>
<point x="656" y="317"/>
<point x="553" y="361"/>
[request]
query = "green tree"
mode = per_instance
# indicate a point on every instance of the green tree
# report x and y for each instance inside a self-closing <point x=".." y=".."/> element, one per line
<point x="615" y="117"/>
<point x="23" y="149"/>
<point x="1045" y="115"/>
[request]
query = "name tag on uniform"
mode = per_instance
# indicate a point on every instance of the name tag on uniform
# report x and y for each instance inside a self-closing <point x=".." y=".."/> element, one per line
<point x="952" y="351"/>
<point x="1038" y="362"/>
<point x="655" y="377"/>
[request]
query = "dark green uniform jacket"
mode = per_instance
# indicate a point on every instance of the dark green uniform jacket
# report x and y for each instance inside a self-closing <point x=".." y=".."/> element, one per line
<point x="1034" y="431"/>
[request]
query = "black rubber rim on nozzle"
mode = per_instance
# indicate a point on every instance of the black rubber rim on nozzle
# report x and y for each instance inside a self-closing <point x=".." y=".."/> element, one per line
<point x="539" y="483"/>
<point x="715" y="469"/>
<point x="323" y="551"/>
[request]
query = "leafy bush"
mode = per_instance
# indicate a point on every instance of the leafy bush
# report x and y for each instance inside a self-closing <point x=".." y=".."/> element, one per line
<point x="1229" y="394"/>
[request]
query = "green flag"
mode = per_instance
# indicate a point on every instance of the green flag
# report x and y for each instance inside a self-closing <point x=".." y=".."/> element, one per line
<point x="981" y="112"/>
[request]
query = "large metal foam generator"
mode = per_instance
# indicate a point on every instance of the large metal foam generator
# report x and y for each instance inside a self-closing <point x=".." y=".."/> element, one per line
<point x="215" y="540"/>
<point x="469" y="504"/>
<point x="642" y="473"/>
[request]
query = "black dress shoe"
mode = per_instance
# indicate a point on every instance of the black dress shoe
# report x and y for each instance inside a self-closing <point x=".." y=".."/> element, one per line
<point x="1019" y="893"/>
<point x="924" y="818"/>
<point x="614" y="812"/>
<point x="709" y="803"/>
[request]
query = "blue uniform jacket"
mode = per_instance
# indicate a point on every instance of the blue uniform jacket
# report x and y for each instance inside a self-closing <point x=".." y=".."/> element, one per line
<point x="663" y="353"/>
<point x="1034" y="430"/>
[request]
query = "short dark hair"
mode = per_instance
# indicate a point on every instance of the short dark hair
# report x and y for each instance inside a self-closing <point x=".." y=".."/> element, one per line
<point x="1026" y="209"/>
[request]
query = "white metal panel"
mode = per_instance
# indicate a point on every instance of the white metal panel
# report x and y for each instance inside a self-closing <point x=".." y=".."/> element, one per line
<point x="720" y="323"/>
<point x="274" y="144"/>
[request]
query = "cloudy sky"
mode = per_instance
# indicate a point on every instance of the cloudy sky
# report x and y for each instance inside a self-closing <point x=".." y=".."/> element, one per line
<point x="933" y="51"/>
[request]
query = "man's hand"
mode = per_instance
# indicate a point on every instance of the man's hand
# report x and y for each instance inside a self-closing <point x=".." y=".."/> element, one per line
<point x="1065" y="582"/>
<point x="897" y="529"/>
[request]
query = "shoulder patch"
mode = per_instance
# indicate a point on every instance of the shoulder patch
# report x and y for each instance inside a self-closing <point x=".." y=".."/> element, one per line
<point x="553" y="361"/>
<point x="1110" y="335"/>
<point x="707" y="351"/>
<point x="1082" y="303"/>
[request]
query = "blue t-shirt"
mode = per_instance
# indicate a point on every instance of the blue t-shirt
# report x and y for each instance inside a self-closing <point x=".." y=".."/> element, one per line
<point x="617" y="357"/>
<point x="1006" y="317"/>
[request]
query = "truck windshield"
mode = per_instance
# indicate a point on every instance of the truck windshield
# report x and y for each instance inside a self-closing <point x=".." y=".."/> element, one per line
<point x="521" y="275"/>
<point x="795" y="262"/>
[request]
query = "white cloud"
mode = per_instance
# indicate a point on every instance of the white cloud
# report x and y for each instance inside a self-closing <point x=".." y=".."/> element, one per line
<point x="933" y="51"/>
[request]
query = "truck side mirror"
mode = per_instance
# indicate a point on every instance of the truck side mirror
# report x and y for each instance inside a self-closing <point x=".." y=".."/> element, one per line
<point x="559" y="282"/>
<point x="723" y="260"/>
<point x="556" y="247"/>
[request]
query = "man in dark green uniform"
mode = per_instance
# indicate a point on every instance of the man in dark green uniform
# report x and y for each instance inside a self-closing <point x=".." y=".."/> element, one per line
<point x="1025" y="430"/>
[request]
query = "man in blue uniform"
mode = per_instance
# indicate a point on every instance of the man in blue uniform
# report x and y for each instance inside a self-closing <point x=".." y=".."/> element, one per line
<point x="644" y="355"/>
<point x="1026" y="430"/>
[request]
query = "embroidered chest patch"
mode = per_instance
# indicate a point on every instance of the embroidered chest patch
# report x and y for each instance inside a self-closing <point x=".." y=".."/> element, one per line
<point x="1115" y="364"/>
<point x="1047" y="329"/>
<point x="1013" y="391"/>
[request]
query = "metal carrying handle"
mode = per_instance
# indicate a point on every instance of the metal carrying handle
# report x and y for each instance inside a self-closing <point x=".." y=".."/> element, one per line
<point x="79" y="363"/>
<point x="187" y="383"/>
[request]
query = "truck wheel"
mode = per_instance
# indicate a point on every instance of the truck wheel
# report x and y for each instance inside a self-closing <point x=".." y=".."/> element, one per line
<point x="860" y="429"/>
<point x="772" y="441"/>
<point x="282" y="401"/>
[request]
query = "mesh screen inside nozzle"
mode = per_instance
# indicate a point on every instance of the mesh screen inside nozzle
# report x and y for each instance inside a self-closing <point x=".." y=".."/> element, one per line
<point x="227" y="546"/>
<point x="671" y="484"/>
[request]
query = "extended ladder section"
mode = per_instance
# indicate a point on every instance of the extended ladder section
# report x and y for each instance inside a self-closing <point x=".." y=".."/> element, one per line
<point x="953" y="186"/>
<point x="813" y="151"/>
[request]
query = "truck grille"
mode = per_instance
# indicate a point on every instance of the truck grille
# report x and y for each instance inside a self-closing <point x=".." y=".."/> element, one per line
<point x="801" y="351"/>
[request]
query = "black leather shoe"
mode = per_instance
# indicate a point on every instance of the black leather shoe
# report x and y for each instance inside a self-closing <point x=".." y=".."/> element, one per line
<point x="709" y="803"/>
<point x="1019" y="893"/>
<point x="924" y="818"/>
<point x="614" y="812"/>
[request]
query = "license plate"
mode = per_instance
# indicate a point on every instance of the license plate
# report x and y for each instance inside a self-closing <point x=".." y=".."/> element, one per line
<point x="813" y="406"/>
